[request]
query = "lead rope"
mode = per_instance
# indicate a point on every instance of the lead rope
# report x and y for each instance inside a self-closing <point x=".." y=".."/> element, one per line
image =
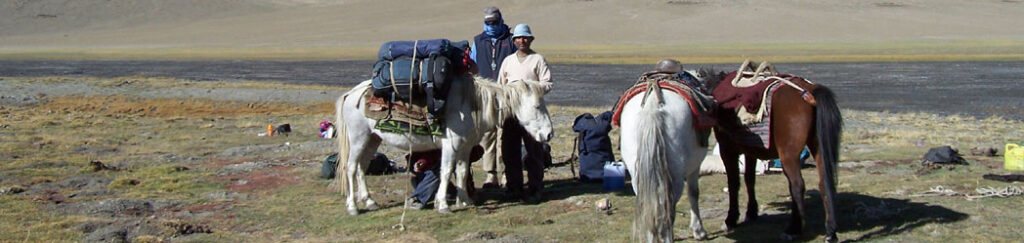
<point x="415" y="47"/>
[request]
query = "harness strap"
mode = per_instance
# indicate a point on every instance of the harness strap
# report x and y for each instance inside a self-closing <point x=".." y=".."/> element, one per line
<point x="807" y="96"/>
<point x="652" y="87"/>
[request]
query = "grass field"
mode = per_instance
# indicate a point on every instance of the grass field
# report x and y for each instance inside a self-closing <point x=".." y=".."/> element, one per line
<point x="194" y="169"/>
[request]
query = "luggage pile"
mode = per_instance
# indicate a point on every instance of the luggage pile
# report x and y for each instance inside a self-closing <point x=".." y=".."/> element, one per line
<point x="419" y="69"/>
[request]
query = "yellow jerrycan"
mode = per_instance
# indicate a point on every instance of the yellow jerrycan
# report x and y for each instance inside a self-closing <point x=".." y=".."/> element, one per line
<point x="1014" y="156"/>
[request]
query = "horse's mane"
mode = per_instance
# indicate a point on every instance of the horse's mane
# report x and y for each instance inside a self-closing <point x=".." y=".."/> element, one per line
<point x="496" y="101"/>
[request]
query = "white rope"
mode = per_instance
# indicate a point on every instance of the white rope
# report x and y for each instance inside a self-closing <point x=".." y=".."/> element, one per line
<point x="1008" y="191"/>
<point x="938" y="191"/>
<point x="415" y="47"/>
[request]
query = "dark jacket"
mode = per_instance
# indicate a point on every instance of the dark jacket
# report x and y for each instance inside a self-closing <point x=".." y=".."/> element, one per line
<point x="484" y="51"/>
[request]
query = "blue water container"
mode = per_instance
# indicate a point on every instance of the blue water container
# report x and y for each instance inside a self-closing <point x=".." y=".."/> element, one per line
<point x="614" y="176"/>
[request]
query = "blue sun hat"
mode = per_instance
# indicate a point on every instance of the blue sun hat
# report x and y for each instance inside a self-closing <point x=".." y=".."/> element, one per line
<point x="522" y="30"/>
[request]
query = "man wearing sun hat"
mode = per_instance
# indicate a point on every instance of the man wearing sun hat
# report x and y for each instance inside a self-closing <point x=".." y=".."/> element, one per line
<point x="524" y="65"/>
<point x="489" y="48"/>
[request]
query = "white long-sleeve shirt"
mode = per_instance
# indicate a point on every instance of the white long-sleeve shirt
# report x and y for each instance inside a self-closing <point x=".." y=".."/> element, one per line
<point x="532" y="68"/>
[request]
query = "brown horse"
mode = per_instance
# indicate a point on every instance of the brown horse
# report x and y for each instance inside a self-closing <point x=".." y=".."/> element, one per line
<point x="794" y="123"/>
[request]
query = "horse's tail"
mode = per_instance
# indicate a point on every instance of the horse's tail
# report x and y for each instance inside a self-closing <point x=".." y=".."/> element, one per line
<point x="655" y="209"/>
<point x="829" y="127"/>
<point x="343" y="146"/>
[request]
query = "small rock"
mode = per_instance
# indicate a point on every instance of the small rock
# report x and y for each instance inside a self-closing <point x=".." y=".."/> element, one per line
<point x="11" y="190"/>
<point x="603" y="204"/>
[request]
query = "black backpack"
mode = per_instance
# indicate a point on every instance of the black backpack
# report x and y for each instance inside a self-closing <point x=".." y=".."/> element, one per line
<point x="944" y="155"/>
<point x="379" y="165"/>
<point x="330" y="166"/>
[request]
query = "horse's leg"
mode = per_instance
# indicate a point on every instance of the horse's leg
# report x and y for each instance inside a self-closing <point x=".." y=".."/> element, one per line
<point x="350" y="201"/>
<point x="827" y="193"/>
<point x="364" y="195"/>
<point x="749" y="178"/>
<point x="791" y="166"/>
<point x="447" y="164"/>
<point x="730" y="159"/>
<point x="693" y="195"/>
<point x="461" y="169"/>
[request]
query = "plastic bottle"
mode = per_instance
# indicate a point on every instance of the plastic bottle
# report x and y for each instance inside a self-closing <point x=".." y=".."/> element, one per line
<point x="270" y="130"/>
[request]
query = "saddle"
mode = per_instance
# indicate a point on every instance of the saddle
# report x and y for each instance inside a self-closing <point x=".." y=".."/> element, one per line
<point x="701" y="104"/>
<point x="399" y="116"/>
<point x="749" y="89"/>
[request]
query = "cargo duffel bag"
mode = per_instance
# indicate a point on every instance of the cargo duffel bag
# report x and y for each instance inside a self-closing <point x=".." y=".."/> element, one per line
<point x="421" y="49"/>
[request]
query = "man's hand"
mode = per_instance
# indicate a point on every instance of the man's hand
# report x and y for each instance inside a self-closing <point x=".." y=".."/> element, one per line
<point x="417" y="167"/>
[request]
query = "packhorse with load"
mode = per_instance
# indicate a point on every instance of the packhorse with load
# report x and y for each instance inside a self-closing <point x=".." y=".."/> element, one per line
<point x="421" y="98"/>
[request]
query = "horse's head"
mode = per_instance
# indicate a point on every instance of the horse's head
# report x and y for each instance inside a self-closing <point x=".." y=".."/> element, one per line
<point x="708" y="77"/>
<point x="532" y="111"/>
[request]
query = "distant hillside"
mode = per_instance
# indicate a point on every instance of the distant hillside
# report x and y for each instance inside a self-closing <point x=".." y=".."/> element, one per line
<point x="86" y="24"/>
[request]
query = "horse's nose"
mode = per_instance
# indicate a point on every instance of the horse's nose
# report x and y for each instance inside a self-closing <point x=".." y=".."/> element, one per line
<point x="550" y="135"/>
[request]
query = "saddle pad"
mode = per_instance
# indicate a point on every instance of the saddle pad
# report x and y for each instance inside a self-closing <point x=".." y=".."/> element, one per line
<point x="392" y="126"/>
<point x="730" y="97"/>
<point x="757" y="134"/>
<point x="378" y="108"/>
<point x="704" y="120"/>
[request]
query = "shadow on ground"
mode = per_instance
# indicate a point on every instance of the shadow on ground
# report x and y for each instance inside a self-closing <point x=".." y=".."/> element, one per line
<point x="878" y="217"/>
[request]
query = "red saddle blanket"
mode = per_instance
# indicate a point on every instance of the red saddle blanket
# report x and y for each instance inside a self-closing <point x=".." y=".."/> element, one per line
<point x="756" y="133"/>
<point x="730" y="97"/>
<point x="703" y="120"/>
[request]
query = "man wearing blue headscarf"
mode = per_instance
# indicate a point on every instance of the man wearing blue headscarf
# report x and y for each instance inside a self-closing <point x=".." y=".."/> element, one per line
<point x="489" y="48"/>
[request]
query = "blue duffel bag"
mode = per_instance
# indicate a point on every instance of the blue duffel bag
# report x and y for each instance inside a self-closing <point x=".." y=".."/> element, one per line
<point x="397" y="75"/>
<point x="394" y="50"/>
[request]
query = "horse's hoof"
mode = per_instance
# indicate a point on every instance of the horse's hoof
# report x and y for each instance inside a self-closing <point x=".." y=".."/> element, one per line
<point x="353" y="211"/>
<point x="729" y="225"/>
<point x="831" y="239"/>
<point x="444" y="211"/>
<point x="700" y="235"/>
<point x="786" y="237"/>
<point x="372" y="206"/>
<point x="750" y="218"/>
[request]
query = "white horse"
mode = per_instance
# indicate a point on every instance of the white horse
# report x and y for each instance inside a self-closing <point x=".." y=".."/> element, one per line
<point x="660" y="148"/>
<point x="474" y="105"/>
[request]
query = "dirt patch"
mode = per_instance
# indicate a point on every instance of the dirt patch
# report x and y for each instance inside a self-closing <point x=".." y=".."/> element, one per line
<point x="46" y="164"/>
<point x="19" y="100"/>
<point x="80" y="182"/>
<point x="261" y="181"/>
<point x="127" y="207"/>
<point x="477" y="236"/>
<point x="134" y="230"/>
<point x="242" y="167"/>
<point x="313" y="147"/>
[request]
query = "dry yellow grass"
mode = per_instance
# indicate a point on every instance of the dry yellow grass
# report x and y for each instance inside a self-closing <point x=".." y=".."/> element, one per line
<point x="179" y="108"/>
